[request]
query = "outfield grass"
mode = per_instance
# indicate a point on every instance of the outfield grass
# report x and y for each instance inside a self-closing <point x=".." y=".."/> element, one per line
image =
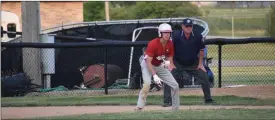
<point x="247" y="22"/>
<point x="239" y="33"/>
<point x="231" y="114"/>
<point x="257" y="51"/>
<point x="256" y="75"/>
<point x="235" y="12"/>
<point x="125" y="100"/>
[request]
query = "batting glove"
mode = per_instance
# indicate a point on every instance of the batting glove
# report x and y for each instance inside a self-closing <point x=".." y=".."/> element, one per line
<point x="157" y="80"/>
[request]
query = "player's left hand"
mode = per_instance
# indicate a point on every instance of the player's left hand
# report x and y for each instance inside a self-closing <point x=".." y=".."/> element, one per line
<point x="201" y="67"/>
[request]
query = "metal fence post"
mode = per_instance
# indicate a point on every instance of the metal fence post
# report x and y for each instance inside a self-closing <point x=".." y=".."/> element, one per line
<point x="220" y="65"/>
<point x="105" y="70"/>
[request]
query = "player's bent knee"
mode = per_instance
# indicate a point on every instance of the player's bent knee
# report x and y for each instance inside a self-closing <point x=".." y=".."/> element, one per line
<point x="145" y="89"/>
<point x="147" y="82"/>
<point x="176" y="86"/>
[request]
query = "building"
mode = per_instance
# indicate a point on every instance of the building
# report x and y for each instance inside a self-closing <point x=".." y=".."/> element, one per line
<point x="52" y="13"/>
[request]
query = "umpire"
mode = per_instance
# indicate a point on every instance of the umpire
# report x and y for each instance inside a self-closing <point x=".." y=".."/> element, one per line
<point x="188" y="59"/>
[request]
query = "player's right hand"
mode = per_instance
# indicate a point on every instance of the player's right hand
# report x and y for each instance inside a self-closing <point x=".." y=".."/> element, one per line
<point x="157" y="80"/>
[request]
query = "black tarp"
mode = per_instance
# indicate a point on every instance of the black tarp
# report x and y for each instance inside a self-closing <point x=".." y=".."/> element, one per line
<point x="11" y="61"/>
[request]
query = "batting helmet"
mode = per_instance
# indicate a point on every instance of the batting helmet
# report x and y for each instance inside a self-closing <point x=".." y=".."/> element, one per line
<point x="164" y="27"/>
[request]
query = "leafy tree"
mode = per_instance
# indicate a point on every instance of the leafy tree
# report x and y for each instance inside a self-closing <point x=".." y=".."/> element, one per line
<point x="121" y="13"/>
<point x="139" y="10"/>
<point x="122" y="3"/>
<point x="94" y="10"/>
<point x="165" y="10"/>
<point x="121" y="10"/>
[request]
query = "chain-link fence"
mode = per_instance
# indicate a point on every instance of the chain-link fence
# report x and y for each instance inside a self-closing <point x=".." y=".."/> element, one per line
<point x="70" y="69"/>
<point x="244" y="64"/>
<point x="81" y="70"/>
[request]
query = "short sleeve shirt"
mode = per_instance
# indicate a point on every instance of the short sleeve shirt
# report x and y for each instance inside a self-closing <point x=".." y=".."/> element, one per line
<point x="187" y="49"/>
<point x="156" y="50"/>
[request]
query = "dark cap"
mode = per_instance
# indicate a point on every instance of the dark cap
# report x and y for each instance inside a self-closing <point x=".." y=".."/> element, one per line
<point x="187" y="21"/>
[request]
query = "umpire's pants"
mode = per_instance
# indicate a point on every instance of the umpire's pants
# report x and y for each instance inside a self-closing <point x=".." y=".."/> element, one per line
<point x="199" y="74"/>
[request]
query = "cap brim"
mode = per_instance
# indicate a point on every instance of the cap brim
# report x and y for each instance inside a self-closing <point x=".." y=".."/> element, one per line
<point x="186" y="24"/>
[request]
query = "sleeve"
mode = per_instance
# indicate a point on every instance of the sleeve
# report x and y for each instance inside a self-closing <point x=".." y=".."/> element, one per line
<point x="201" y="43"/>
<point x="150" y="51"/>
<point x="171" y="50"/>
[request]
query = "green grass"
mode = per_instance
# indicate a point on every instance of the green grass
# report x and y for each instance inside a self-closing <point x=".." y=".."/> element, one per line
<point x="238" y="33"/>
<point x="247" y="22"/>
<point x="231" y="114"/>
<point x="257" y="51"/>
<point x="256" y="75"/>
<point x="235" y="12"/>
<point x="125" y="100"/>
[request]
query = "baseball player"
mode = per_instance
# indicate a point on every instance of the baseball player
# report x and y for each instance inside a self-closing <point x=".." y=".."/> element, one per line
<point x="153" y="84"/>
<point x="158" y="62"/>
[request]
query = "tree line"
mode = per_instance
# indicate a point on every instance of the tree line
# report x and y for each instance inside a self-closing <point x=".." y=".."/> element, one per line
<point x="95" y="10"/>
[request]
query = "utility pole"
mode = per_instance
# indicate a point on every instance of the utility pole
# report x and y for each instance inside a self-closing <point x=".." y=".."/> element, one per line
<point x="30" y="33"/>
<point x="107" y="15"/>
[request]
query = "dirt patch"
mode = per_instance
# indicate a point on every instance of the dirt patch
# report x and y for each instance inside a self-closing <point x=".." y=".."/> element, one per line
<point x="32" y="112"/>
<point x="261" y="92"/>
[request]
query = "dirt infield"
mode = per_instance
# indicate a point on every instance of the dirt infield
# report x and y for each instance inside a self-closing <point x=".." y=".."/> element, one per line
<point x="262" y="92"/>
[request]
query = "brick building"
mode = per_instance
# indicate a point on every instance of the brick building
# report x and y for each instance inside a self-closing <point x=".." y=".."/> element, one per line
<point x="52" y="13"/>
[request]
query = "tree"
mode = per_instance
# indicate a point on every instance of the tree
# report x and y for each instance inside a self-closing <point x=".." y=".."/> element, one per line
<point x="121" y="13"/>
<point x="121" y="10"/>
<point x="165" y="10"/>
<point x="139" y="10"/>
<point x="122" y="3"/>
<point x="94" y="10"/>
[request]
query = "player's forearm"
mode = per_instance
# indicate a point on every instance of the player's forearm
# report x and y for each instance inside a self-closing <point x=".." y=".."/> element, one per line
<point x="171" y="60"/>
<point x="201" y="57"/>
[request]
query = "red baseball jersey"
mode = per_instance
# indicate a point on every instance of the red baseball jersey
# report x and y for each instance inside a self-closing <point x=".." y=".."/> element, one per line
<point x="156" y="50"/>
